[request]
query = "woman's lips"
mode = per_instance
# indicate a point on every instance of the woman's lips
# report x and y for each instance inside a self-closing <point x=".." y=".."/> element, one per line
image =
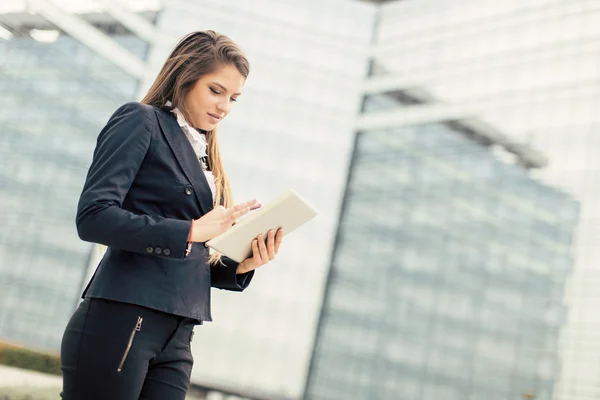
<point x="215" y="118"/>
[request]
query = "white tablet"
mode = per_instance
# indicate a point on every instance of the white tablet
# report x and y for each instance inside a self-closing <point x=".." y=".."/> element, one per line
<point x="289" y="211"/>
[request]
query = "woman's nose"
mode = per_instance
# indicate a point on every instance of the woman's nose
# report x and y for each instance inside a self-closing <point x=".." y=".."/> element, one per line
<point x="223" y="107"/>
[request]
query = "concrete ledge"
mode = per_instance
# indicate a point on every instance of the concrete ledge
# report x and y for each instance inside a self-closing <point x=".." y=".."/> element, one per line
<point x="17" y="377"/>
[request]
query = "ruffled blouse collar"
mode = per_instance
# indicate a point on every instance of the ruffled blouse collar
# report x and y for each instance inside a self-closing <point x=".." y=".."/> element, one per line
<point x="196" y="137"/>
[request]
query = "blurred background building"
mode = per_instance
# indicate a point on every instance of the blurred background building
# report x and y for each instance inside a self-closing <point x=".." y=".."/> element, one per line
<point x="450" y="147"/>
<point x="55" y="93"/>
<point x="459" y="292"/>
<point x="530" y="70"/>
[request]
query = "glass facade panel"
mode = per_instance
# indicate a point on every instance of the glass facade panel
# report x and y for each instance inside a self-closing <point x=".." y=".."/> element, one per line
<point x="56" y="96"/>
<point x="440" y="273"/>
<point x="540" y="59"/>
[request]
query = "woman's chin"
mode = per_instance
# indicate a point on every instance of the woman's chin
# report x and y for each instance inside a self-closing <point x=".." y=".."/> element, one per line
<point x="206" y="126"/>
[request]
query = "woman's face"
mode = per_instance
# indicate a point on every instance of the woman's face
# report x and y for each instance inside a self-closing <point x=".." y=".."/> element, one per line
<point x="212" y="96"/>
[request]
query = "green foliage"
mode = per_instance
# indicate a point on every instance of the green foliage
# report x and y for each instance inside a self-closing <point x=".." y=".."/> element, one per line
<point x="29" y="359"/>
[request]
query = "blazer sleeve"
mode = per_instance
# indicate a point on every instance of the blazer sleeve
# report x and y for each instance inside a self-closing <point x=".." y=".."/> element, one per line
<point x="120" y="150"/>
<point x="223" y="276"/>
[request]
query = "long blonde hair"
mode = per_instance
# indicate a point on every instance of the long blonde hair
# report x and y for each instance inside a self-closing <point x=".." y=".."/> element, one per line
<point x="197" y="54"/>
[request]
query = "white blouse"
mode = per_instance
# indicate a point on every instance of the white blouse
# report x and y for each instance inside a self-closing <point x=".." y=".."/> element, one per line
<point x="199" y="144"/>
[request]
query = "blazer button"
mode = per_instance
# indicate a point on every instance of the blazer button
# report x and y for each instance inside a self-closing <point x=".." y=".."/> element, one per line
<point x="149" y="250"/>
<point x="188" y="190"/>
<point x="167" y="252"/>
<point x="158" y="250"/>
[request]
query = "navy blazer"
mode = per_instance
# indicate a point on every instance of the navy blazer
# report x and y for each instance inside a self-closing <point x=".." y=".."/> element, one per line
<point x="143" y="188"/>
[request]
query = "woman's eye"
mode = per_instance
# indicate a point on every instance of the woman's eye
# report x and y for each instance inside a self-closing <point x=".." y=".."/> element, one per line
<point x="214" y="91"/>
<point x="232" y="99"/>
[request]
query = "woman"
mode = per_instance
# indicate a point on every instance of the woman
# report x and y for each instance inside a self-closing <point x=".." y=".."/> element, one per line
<point x="155" y="192"/>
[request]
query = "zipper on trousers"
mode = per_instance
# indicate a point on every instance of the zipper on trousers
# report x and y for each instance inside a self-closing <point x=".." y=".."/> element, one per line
<point x="138" y="327"/>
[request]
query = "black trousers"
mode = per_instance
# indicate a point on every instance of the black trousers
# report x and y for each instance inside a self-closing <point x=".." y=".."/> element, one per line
<point x="118" y="351"/>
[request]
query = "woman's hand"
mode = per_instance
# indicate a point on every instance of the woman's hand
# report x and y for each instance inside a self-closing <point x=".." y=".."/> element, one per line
<point x="262" y="252"/>
<point x="219" y="219"/>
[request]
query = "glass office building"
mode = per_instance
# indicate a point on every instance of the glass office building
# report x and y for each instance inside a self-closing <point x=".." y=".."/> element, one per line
<point x="530" y="69"/>
<point x="448" y="274"/>
<point x="292" y="128"/>
<point x="56" y="96"/>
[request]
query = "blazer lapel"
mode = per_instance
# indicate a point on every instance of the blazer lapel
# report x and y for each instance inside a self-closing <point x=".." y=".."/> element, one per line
<point x="184" y="153"/>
